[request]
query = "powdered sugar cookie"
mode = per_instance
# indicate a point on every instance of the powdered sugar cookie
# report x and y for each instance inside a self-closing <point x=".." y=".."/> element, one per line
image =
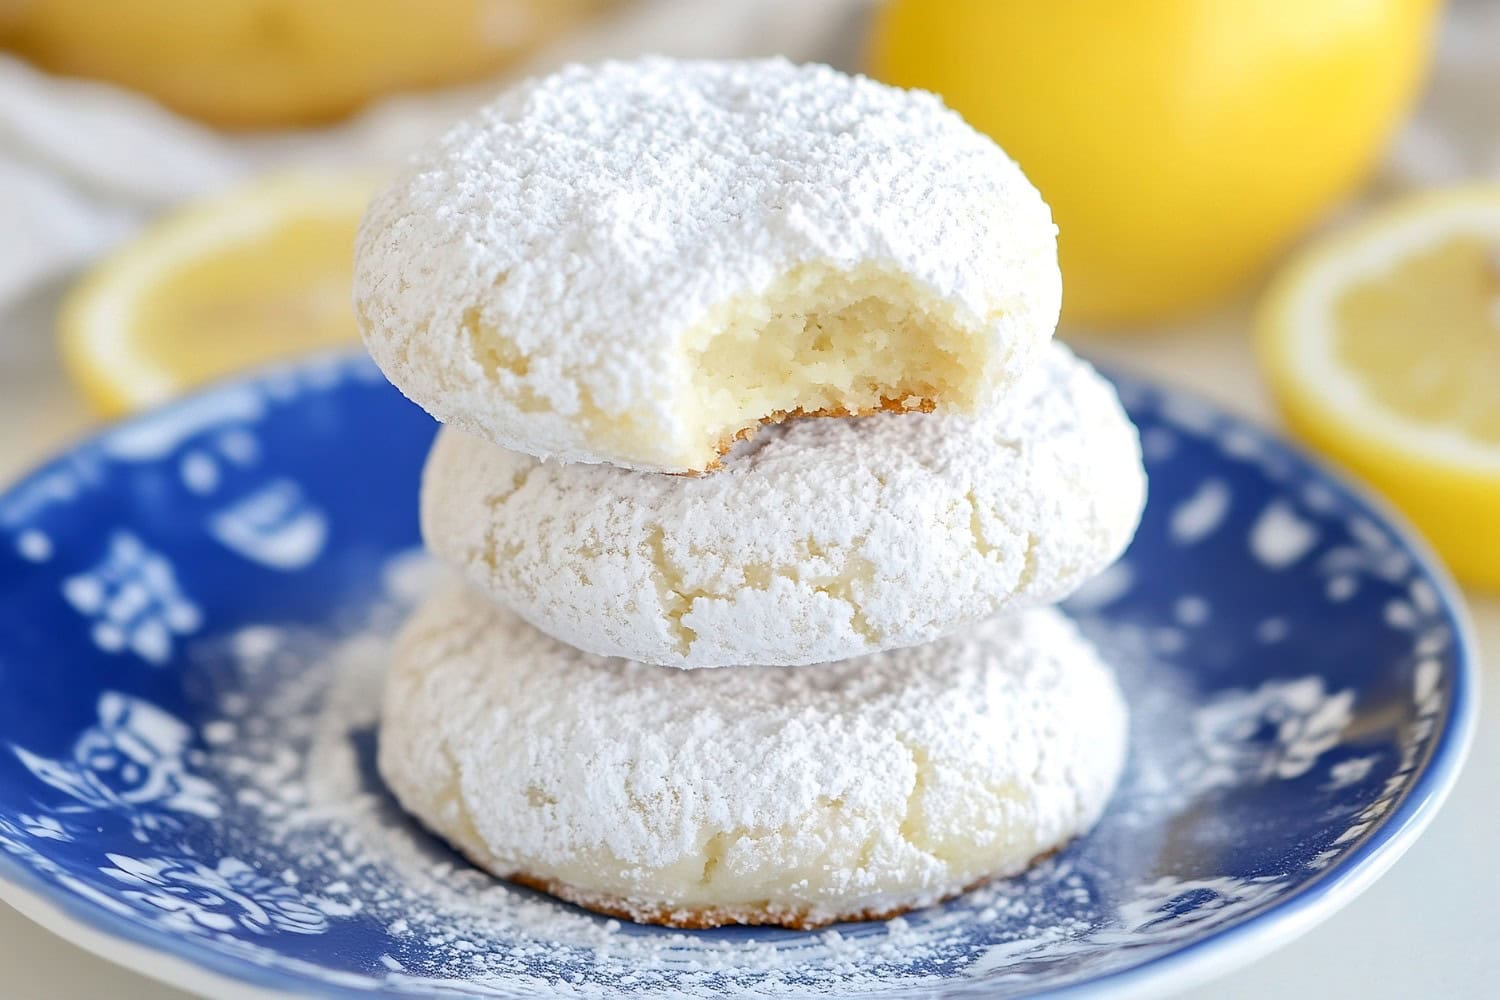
<point x="744" y="795"/>
<point x="636" y="262"/>
<point x="816" y="541"/>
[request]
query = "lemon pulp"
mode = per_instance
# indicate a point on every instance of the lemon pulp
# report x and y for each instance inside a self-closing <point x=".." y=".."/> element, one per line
<point x="258" y="274"/>
<point x="278" y="296"/>
<point x="1418" y="337"/>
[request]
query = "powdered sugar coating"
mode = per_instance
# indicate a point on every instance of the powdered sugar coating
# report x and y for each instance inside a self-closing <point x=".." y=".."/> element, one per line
<point x="530" y="276"/>
<point x="817" y="541"/>
<point x="744" y="794"/>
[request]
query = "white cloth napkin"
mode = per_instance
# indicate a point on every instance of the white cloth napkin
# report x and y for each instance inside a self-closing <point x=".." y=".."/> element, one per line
<point x="1455" y="134"/>
<point x="83" y="164"/>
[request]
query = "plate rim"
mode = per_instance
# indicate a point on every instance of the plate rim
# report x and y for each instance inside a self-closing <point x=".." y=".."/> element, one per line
<point x="208" y="973"/>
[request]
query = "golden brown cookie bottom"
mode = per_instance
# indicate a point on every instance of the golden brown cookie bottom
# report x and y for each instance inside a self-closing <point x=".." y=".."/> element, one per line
<point x="909" y="404"/>
<point x="704" y="918"/>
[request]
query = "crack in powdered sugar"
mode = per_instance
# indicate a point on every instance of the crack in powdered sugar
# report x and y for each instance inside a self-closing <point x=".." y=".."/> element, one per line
<point x="293" y="754"/>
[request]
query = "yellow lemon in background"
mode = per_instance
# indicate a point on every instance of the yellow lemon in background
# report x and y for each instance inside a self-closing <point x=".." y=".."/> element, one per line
<point x="263" y="272"/>
<point x="271" y="63"/>
<point x="1181" y="143"/>
<point x="1382" y="345"/>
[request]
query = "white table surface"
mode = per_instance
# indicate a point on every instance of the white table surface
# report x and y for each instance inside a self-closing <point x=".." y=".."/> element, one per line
<point x="1429" y="928"/>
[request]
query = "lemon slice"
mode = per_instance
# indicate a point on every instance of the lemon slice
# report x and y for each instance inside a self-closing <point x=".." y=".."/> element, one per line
<point x="1382" y="346"/>
<point x="217" y="286"/>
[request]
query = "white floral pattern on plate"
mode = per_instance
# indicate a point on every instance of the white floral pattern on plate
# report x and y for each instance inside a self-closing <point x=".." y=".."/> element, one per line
<point x="184" y="895"/>
<point x="132" y="600"/>
<point x="133" y="757"/>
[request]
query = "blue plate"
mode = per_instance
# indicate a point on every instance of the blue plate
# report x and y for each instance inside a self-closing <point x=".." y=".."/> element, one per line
<point x="193" y="610"/>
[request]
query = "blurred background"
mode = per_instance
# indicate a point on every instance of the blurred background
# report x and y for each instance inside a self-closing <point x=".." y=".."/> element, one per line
<point x="1292" y="206"/>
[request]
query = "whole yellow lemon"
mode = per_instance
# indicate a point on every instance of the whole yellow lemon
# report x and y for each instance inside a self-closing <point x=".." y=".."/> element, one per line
<point x="274" y="63"/>
<point x="1181" y="143"/>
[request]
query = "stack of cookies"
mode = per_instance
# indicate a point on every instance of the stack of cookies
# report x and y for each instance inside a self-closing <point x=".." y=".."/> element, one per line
<point x="761" y="473"/>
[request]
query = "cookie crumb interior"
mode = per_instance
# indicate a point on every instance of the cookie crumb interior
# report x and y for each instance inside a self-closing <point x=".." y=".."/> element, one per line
<point x="823" y="341"/>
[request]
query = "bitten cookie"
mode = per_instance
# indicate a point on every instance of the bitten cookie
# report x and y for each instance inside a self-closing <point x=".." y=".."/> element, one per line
<point x="818" y="540"/>
<point x="744" y="795"/>
<point x="637" y="262"/>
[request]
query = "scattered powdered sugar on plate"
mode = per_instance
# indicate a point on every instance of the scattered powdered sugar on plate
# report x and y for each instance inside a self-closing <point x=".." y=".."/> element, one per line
<point x="1186" y="745"/>
<point x="291" y="748"/>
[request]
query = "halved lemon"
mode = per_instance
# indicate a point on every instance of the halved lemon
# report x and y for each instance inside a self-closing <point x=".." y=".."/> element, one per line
<point x="1382" y="345"/>
<point x="214" y="287"/>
